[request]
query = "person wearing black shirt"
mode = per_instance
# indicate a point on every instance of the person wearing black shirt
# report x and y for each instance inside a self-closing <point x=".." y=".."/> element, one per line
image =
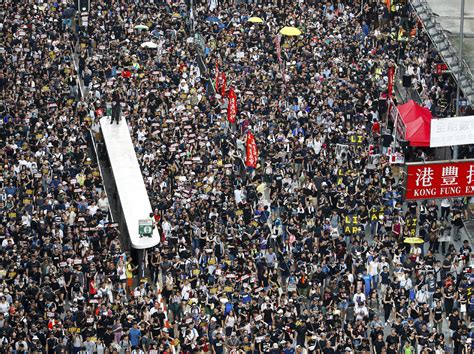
<point x="218" y="344"/>
<point x="422" y="336"/>
<point x="393" y="340"/>
<point x="328" y="349"/>
<point x="116" y="108"/>
<point x="438" y="316"/>
<point x="364" y="346"/>
<point x="449" y="299"/>
<point x="459" y="339"/>
<point x="453" y="320"/>
<point x="108" y="337"/>
<point x="387" y="304"/>
<point x="51" y="343"/>
<point x="379" y="344"/>
<point x="426" y="313"/>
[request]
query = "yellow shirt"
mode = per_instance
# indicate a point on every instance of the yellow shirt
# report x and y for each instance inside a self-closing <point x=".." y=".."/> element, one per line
<point x="129" y="271"/>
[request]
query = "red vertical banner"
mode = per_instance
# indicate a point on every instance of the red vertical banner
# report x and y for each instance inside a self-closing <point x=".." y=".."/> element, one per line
<point x="252" y="153"/>
<point x="223" y="84"/>
<point x="391" y="79"/>
<point x="232" y="106"/>
<point x="277" y="41"/>
<point x="217" y="77"/>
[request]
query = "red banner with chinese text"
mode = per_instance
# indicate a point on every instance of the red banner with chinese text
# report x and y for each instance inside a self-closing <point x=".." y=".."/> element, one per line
<point x="252" y="153"/>
<point x="223" y="84"/>
<point x="447" y="179"/>
<point x="232" y="106"/>
<point x="391" y="78"/>
<point x="441" y="68"/>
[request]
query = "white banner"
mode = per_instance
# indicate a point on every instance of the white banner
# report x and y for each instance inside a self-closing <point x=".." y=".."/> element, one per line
<point x="452" y="131"/>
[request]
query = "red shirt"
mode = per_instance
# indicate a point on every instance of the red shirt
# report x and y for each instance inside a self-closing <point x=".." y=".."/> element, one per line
<point x="376" y="128"/>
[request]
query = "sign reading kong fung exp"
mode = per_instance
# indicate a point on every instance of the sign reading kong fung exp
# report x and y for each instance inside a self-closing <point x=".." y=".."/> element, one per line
<point x="444" y="179"/>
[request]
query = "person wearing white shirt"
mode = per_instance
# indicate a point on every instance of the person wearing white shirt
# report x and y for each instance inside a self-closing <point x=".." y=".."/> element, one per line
<point x="405" y="282"/>
<point x="359" y="297"/>
<point x="422" y="295"/>
<point x="4" y="305"/>
<point x="92" y="209"/>
<point x="373" y="270"/>
<point x="90" y="346"/>
<point x="103" y="202"/>
<point x="239" y="196"/>
<point x="105" y="293"/>
<point x="445" y="208"/>
<point x="166" y="227"/>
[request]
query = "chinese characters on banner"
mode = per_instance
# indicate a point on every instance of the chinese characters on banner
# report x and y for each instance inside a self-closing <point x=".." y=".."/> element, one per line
<point x="440" y="180"/>
<point x="441" y="68"/>
<point x="232" y="106"/>
<point x="252" y="153"/>
<point x="391" y="77"/>
<point x="223" y="83"/>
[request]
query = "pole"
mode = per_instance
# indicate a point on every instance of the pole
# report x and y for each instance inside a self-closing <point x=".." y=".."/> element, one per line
<point x="458" y="89"/>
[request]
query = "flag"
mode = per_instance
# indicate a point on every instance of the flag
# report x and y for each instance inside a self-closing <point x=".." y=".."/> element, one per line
<point x="388" y="3"/>
<point x="391" y="77"/>
<point x="223" y="84"/>
<point x="252" y="153"/>
<point x="232" y="106"/>
<point x="217" y="76"/>
<point x="277" y="41"/>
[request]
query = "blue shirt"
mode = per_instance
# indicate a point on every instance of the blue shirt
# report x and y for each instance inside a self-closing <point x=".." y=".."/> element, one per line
<point x="366" y="278"/>
<point x="135" y="334"/>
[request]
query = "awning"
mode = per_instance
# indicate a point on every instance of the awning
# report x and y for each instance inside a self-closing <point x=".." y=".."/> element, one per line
<point x="417" y="122"/>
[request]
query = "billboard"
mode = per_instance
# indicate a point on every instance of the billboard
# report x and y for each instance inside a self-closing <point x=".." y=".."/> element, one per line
<point x="439" y="179"/>
<point x="452" y="131"/>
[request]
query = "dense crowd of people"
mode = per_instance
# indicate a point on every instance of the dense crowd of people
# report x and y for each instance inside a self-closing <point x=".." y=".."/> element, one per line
<point x="303" y="254"/>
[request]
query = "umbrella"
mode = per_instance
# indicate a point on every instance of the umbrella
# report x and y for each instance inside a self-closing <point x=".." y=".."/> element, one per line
<point x="413" y="240"/>
<point x="141" y="27"/>
<point x="213" y="19"/>
<point x="290" y="31"/>
<point x="151" y="45"/>
<point x="255" y="20"/>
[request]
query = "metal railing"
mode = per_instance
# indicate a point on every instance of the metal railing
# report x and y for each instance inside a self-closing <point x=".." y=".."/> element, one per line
<point x="84" y="95"/>
<point x="457" y="66"/>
